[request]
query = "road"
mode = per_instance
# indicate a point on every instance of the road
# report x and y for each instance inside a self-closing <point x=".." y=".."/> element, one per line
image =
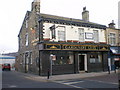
<point x="11" y="79"/>
<point x="15" y="80"/>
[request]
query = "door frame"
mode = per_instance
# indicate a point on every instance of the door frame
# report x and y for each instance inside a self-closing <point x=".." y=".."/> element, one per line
<point x="85" y="62"/>
<point x="26" y="61"/>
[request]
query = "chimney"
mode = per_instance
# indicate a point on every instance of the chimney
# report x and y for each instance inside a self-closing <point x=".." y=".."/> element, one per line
<point x="85" y="14"/>
<point x="112" y="25"/>
<point x="36" y="6"/>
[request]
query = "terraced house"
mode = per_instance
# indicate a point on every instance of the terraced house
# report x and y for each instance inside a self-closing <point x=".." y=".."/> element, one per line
<point x="61" y="45"/>
<point x="113" y="39"/>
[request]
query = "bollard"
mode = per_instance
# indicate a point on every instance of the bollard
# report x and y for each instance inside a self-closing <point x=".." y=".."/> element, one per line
<point x="48" y="74"/>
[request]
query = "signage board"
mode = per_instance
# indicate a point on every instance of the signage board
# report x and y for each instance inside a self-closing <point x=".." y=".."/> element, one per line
<point x="76" y="47"/>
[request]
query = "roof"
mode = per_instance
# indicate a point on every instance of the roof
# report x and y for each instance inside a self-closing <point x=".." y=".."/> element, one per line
<point x="63" y="20"/>
<point x="26" y="16"/>
<point x="113" y="28"/>
<point x="76" y="22"/>
<point x="7" y="57"/>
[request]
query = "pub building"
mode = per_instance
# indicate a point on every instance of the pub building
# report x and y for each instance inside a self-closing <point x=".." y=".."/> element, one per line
<point x="61" y="45"/>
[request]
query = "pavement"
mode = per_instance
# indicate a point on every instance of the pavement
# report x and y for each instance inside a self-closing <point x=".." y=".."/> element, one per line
<point x="65" y="76"/>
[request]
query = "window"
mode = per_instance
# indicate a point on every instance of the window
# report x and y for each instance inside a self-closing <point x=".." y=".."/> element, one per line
<point x="81" y="34"/>
<point x="52" y="28"/>
<point x="89" y="35"/>
<point x="27" y="57"/>
<point x="99" y="58"/>
<point x="62" y="59"/>
<point x="92" y="59"/>
<point x="70" y="59"/>
<point x="96" y="35"/>
<point x="53" y="34"/>
<point x="61" y="34"/>
<point x="112" y="39"/>
<point x="26" y="39"/>
<point x="20" y="42"/>
<point x="30" y="58"/>
<point x="26" y="23"/>
<point x="95" y="58"/>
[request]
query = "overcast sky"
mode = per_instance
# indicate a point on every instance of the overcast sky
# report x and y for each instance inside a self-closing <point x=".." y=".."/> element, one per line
<point x="13" y="12"/>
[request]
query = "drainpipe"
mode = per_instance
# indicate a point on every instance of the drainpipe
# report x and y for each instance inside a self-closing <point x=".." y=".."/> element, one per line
<point x="38" y="46"/>
<point x="40" y="42"/>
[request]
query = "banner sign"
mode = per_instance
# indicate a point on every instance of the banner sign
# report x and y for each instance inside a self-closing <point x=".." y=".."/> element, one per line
<point x="76" y="47"/>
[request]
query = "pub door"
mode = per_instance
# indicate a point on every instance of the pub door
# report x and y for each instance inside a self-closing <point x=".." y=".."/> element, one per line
<point x="81" y="62"/>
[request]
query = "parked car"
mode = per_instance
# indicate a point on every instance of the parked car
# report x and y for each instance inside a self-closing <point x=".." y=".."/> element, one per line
<point x="6" y="66"/>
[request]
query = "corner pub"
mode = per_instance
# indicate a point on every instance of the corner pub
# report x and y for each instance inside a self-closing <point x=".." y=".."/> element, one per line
<point x="75" y="57"/>
<point x="62" y="45"/>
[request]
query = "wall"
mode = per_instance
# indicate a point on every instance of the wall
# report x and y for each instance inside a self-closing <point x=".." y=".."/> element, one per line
<point x="115" y="31"/>
<point x="72" y="32"/>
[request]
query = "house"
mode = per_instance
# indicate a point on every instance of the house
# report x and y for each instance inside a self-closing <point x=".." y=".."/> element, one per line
<point x="61" y="45"/>
<point x="113" y="39"/>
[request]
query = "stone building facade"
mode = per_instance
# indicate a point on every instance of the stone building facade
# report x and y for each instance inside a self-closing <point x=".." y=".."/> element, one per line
<point x="61" y="45"/>
<point x="113" y="39"/>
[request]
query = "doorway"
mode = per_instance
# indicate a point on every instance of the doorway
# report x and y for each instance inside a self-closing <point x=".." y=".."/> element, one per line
<point x="81" y="62"/>
<point x="26" y="62"/>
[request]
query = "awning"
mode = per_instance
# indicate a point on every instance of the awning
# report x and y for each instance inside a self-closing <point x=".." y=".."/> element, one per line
<point x="115" y="50"/>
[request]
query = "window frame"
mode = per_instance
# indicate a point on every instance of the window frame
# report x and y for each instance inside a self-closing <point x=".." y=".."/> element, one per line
<point x="59" y="31"/>
<point x="112" y="38"/>
<point x="26" y="39"/>
<point x="81" y="33"/>
<point x="96" y="36"/>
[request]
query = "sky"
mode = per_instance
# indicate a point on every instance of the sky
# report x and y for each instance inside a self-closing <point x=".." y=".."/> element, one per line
<point x="13" y="13"/>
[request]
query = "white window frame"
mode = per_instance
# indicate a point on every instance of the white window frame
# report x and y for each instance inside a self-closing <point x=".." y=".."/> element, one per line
<point x="111" y="37"/>
<point x="96" y="37"/>
<point x="81" y="34"/>
<point x="26" y="23"/>
<point x="60" y="38"/>
<point x="26" y="39"/>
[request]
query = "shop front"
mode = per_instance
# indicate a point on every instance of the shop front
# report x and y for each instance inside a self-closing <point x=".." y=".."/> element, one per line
<point x="114" y="56"/>
<point x="73" y="58"/>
